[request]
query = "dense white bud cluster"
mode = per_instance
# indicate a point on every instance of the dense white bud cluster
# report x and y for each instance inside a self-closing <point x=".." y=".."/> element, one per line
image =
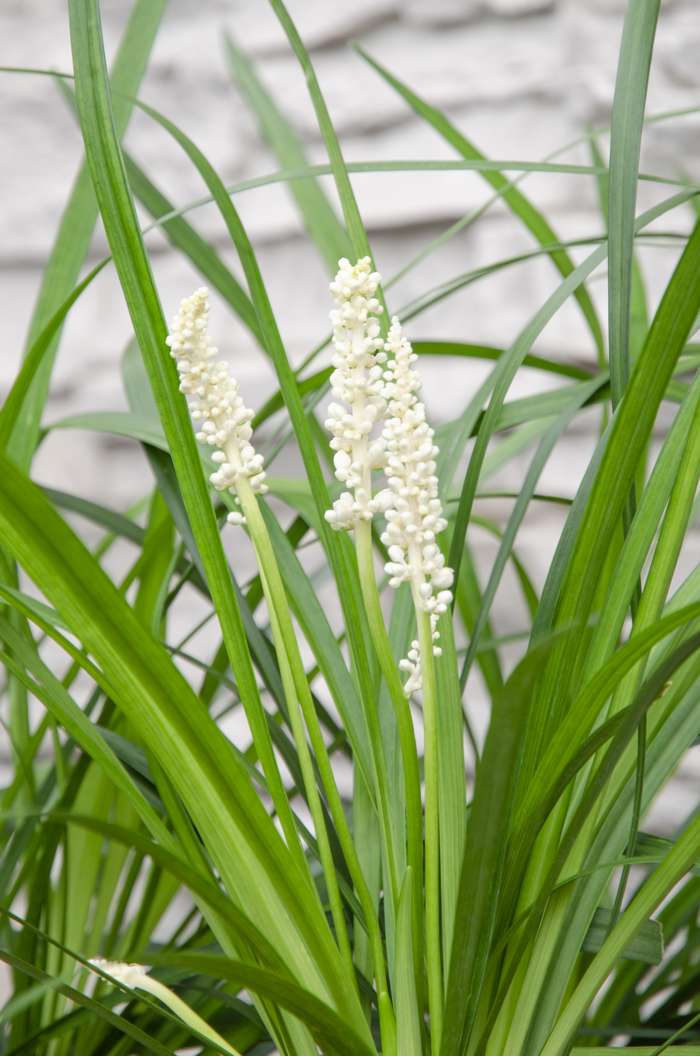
<point x="375" y="385"/>
<point x="214" y="399"/>
<point x="130" y="975"/>
<point x="414" y="516"/>
<point x="356" y="384"/>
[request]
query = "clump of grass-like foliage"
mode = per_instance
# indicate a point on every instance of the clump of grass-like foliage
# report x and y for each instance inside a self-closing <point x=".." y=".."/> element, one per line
<point x="164" y="886"/>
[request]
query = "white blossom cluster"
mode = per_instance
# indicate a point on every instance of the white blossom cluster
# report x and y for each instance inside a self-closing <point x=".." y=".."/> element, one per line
<point x="414" y="517"/>
<point x="131" y="975"/>
<point x="357" y="387"/>
<point x="375" y="387"/>
<point x="214" y="399"/>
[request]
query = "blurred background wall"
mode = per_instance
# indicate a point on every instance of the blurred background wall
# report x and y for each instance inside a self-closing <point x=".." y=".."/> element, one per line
<point x="521" y="78"/>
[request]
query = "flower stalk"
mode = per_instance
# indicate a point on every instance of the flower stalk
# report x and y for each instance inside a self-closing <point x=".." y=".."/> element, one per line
<point x="404" y="723"/>
<point x="304" y="718"/>
<point x="299" y="703"/>
<point x="414" y="519"/>
<point x="432" y="831"/>
<point x="379" y="389"/>
<point x="355" y="418"/>
<point x="136" y="977"/>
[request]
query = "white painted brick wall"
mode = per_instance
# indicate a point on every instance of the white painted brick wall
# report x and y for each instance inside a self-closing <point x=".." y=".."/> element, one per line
<point x="520" y="77"/>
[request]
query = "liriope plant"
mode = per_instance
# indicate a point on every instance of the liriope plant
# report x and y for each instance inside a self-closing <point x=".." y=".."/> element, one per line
<point x="357" y="868"/>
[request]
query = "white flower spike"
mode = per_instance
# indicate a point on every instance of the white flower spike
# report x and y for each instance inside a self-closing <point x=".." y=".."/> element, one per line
<point x="356" y="384"/>
<point x="214" y="400"/>
<point x="414" y="517"/>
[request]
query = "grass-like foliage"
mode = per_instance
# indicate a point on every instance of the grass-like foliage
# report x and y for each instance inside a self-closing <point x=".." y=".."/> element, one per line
<point x="353" y="870"/>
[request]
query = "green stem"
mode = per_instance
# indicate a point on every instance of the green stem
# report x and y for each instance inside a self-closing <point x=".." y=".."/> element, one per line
<point x="307" y="770"/>
<point x="19" y="726"/>
<point x="404" y="722"/>
<point x="432" y="834"/>
<point x="302" y="710"/>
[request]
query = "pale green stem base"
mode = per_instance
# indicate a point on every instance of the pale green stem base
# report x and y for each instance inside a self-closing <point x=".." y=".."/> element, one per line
<point x="302" y="711"/>
<point x="404" y="722"/>
<point x="432" y="834"/>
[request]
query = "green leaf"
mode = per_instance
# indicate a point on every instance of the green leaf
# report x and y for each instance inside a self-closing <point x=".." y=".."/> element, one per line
<point x="142" y="680"/>
<point x="37" y="611"/>
<point x="32" y="365"/>
<point x="625" y="144"/>
<point x="353" y="219"/>
<point x="117" y="423"/>
<point x="485" y="850"/>
<point x="676" y="863"/>
<point x="529" y="484"/>
<point x="478" y="351"/>
<point x="599" y="786"/>
<point x="521" y="206"/>
<point x="672" y="727"/>
<point x="114" y="522"/>
<point x="316" y="211"/>
<point x="47" y="688"/>
<point x="202" y="887"/>
<point x="200" y="253"/>
<point x="78" y="221"/>
<point x="504" y="372"/>
<point x="630" y="431"/>
<point x="587" y="706"/>
<point x="330" y="1032"/>
<point x="646" y="945"/>
<point x="408" y="1032"/>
